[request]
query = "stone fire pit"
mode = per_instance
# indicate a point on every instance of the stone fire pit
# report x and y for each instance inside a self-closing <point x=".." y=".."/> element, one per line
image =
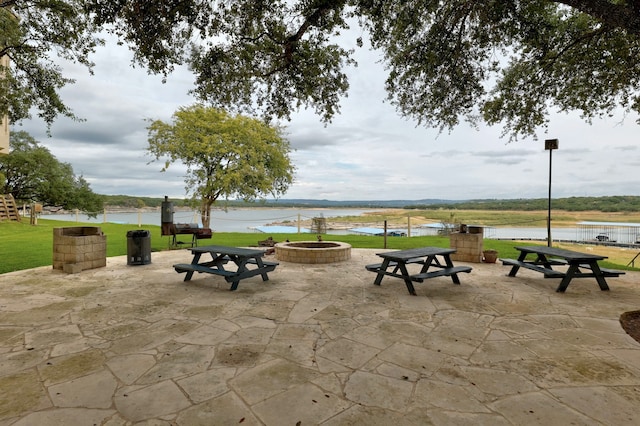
<point x="313" y="251"/>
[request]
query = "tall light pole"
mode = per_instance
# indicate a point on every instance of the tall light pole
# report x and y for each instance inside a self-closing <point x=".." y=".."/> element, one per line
<point x="550" y="145"/>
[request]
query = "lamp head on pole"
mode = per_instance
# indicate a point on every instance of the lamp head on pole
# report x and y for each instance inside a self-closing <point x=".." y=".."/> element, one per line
<point x="550" y="144"/>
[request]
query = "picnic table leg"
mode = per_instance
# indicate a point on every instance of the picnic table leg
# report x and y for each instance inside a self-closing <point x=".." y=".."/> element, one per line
<point x="260" y="265"/>
<point x="573" y="268"/>
<point x="242" y="267"/>
<point x="430" y="260"/>
<point x="196" y="259"/>
<point x="595" y="268"/>
<point x="543" y="259"/>
<point x="407" y="278"/>
<point x="449" y="263"/>
<point x="381" y="271"/>
<point x="515" y="268"/>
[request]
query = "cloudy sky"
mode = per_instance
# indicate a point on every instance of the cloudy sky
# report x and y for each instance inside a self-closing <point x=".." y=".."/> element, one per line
<point x="369" y="152"/>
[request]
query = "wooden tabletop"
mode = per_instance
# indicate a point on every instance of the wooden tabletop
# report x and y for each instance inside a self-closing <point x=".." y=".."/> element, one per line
<point x="565" y="254"/>
<point x="402" y="255"/>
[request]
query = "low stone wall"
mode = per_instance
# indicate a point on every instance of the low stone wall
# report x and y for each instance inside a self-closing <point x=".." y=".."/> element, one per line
<point x="78" y="248"/>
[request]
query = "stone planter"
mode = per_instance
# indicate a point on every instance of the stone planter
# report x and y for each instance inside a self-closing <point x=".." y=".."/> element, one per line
<point x="489" y="256"/>
<point x="468" y="247"/>
<point x="78" y="248"/>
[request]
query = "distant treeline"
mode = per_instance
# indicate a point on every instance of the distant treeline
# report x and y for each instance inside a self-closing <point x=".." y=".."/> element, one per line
<point x="621" y="203"/>
<point x="618" y="203"/>
<point x="127" y="201"/>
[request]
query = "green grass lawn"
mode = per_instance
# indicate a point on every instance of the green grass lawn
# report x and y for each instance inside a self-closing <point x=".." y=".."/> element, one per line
<point x="25" y="246"/>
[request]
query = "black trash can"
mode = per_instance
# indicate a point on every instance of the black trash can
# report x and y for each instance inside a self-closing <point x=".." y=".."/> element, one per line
<point x="138" y="247"/>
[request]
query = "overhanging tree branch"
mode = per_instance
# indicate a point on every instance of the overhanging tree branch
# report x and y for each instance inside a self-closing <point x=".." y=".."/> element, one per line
<point x="275" y="57"/>
<point x="624" y="15"/>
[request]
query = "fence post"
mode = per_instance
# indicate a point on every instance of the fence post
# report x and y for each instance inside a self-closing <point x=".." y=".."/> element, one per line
<point x="385" y="234"/>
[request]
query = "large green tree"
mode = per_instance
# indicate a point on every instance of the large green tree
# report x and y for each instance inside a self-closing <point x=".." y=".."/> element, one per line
<point x="507" y="62"/>
<point x="226" y="155"/>
<point x="33" y="174"/>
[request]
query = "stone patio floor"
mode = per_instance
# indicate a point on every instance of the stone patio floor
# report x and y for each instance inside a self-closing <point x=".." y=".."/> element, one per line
<point x="316" y="344"/>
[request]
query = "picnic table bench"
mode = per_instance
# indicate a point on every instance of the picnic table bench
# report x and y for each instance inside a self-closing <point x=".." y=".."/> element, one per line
<point x="222" y="255"/>
<point x="548" y="257"/>
<point x="394" y="264"/>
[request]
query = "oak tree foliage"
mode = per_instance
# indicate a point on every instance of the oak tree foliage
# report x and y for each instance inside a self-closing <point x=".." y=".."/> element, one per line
<point x="32" y="174"/>
<point x="507" y="62"/>
<point x="33" y="36"/>
<point x="225" y="155"/>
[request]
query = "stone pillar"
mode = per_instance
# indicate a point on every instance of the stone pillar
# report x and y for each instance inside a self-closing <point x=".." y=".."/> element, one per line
<point x="468" y="244"/>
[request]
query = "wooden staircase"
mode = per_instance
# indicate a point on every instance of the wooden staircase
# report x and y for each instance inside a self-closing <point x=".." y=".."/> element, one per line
<point x="8" y="208"/>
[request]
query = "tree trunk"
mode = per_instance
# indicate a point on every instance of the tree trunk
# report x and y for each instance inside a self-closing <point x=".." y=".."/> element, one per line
<point x="205" y="213"/>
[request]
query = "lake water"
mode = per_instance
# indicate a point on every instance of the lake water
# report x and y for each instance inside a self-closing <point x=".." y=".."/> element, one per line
<point x="232" y="220"/>
<point x="246" y="220"/>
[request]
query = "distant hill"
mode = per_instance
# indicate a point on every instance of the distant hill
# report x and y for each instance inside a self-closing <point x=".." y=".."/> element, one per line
<point x="616" y="203"/>
<point x="299" y="202"/>
<point x="139" y="202"/>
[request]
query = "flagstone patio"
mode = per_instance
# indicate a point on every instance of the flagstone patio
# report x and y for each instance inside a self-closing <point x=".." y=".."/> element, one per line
<point x="316" y="344"/>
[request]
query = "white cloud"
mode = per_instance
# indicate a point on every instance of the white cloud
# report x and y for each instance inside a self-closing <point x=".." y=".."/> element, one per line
<point x="367" y="153"/>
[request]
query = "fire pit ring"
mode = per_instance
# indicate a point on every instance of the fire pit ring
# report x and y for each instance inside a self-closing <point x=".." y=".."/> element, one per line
<point x="313" y="251"/>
